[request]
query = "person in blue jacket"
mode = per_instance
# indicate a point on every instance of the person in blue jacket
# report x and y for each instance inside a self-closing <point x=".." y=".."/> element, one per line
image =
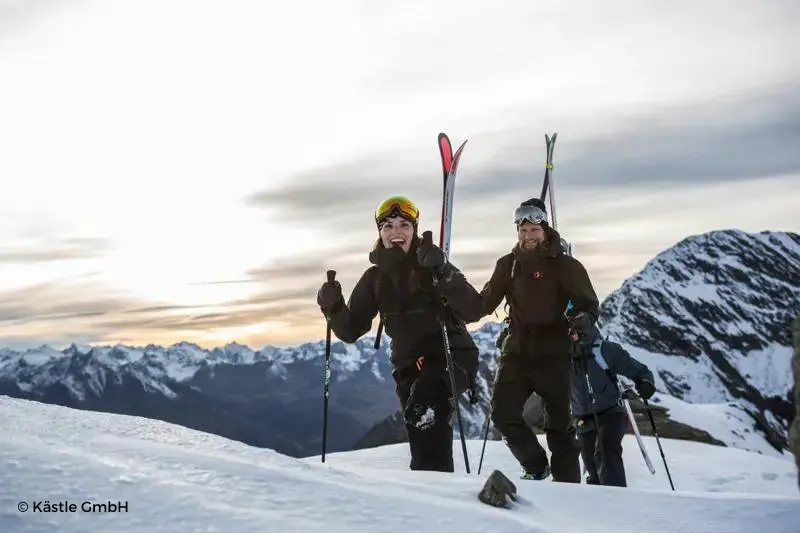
<point x="601" y="417"/>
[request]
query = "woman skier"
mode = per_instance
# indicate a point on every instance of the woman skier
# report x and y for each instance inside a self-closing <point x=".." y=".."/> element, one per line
<point x="399" y="286"/>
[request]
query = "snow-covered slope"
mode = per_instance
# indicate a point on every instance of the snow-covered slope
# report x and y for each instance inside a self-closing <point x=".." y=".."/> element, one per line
<point x="171" y="479"/>
<point x="712" y="316"/>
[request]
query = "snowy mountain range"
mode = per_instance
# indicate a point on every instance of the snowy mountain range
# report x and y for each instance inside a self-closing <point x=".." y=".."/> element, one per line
<point x="710" y="316"/>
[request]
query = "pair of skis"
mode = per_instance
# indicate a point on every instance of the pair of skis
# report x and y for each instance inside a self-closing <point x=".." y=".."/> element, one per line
<point x="449" y="168"/>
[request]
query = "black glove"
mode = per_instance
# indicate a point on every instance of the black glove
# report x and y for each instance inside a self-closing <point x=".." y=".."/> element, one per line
<point x="329" y="297"/>
<point x="580" y="324"/>
<point x="431" y="256"/>
<point x="645" y="389"/>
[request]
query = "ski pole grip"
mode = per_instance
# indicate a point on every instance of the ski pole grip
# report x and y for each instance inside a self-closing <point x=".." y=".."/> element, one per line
<point x="331" y="275"/>
<point x="427" y="238"/>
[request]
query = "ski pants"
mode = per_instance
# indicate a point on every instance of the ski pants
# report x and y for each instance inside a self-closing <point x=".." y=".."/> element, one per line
<point x="601" y="448"/>
<point x="551" y="378"/>
<point x="424" y="394"/>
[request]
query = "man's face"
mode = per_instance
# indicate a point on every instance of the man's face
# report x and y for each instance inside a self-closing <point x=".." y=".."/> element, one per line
<point x="530" y="235"/>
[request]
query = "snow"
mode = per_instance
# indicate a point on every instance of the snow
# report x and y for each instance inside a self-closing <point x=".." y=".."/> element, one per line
<point x="175" y="479"/>
<point x="239" y="353"/>
<point x="768" y="370"/>
<point x="427" y="419"/>
<point x="179" y="371"/>
<point x="40" y="356"/>
<point x="696" y="379"/>
<point x="727" y="422"/>
<point x="131" y="354"/>
<point x="376" y="371"/>
<point x="352" y="358"/>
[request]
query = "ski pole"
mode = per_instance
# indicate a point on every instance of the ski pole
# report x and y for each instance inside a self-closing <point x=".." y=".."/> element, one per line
<point x="427" y="238"/>
<point x="485" y="437"/>
<point x="378" y="335"/>
<point x="658" y="441"/>
<point x="327" y="381"/>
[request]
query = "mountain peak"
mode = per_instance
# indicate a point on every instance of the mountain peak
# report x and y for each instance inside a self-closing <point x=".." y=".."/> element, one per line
<point x="720" y="305"/>
<point x="723" y="286"/>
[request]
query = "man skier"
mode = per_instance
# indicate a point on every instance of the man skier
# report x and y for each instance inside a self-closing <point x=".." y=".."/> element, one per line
<point x="597" y="405"/>
<point x="538" y="279"/>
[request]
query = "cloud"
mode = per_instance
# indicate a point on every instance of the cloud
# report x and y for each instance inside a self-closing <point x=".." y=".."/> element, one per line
<point x="628" y="188"/>
<point x="740" y="138"/>
<point x="307" y="265"/>
<point x="88" y="311"/>
<point x="661" y="134"/>
<point x="614" y="233"/>
<point x="31" y="238"/>
<point x="61" y="299"/>
<point x="629" y="184"/>
<point x="584" y="43"/>
<point x="16" y="14"/>
<point x="195" y="323"/>
<point x="749" y="137"/>
<point x="47" y="250"/>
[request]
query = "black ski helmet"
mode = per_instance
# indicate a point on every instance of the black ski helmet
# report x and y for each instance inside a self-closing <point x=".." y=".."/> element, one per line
<point x="535" y="202"/>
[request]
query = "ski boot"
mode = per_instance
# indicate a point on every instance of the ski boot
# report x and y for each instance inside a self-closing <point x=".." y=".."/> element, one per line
<point x="537" y="477"/>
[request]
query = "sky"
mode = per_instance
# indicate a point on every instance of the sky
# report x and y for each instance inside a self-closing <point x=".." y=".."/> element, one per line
<point x="187" y="170"/>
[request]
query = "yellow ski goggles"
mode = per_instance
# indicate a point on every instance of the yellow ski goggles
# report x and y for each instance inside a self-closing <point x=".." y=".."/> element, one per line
<point x="396" y="206"/>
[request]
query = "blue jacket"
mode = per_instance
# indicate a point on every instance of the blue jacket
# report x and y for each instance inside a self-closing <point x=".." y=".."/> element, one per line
<point x="607" y="396"/>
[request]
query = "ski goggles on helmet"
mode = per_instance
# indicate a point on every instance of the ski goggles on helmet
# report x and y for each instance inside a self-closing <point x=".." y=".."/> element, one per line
<point x="396" y="206"/>
<point x="529" y="213"/>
